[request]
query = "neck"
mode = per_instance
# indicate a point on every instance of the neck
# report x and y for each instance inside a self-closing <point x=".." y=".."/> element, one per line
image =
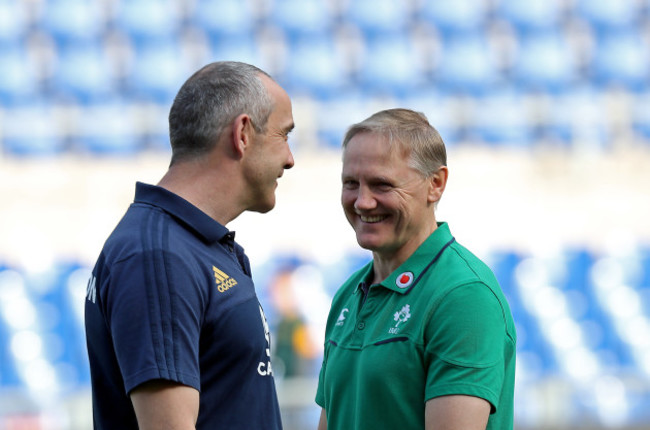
<point x="213" y="191"/>
<point x="385" y="263"/>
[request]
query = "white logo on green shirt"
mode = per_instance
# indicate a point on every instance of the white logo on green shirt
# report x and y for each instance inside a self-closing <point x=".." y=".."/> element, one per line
<point x="402" y="316"/>
<point x="341" y="318"/>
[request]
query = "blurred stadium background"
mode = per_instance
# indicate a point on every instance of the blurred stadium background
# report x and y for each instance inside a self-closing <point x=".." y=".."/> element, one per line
<point x="545" y="109"/>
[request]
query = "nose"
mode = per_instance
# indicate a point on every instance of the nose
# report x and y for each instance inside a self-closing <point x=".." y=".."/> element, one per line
<point x="365" y="199"/>
<point x="290" y="161"/>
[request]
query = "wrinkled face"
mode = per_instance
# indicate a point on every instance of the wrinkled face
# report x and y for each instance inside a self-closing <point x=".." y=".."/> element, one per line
<point x="270" y="154"/>
<point x="388" y="203"/>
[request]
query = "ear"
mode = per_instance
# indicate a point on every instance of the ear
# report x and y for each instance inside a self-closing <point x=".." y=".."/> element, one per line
<point x="242" y="134"/>
<point x="437" y="184"/>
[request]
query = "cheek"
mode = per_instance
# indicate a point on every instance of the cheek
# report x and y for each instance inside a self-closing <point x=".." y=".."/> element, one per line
<point x="347" y="199"/>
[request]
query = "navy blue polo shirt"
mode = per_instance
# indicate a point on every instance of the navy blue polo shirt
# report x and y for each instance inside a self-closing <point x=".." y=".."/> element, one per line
<point x="171" y="297"/>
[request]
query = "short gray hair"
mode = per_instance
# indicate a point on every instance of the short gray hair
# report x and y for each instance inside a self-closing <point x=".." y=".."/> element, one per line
<point x="406" y="129"/>
<point x="210" y="100"/>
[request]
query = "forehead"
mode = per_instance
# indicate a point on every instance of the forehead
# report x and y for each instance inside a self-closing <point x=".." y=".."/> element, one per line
<point x="281" y="102"/>
<point x="369" y="149"/>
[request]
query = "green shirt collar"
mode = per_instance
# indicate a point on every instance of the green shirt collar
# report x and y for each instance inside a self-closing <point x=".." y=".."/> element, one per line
<point x="407" y="275"/>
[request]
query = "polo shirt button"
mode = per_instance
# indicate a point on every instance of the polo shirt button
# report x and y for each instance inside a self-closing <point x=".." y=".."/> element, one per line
<point x="361" y="325"/>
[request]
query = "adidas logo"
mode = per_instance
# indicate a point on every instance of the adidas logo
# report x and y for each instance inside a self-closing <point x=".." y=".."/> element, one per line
<point x="224" y="282"/>
<point x="91" y="289"/>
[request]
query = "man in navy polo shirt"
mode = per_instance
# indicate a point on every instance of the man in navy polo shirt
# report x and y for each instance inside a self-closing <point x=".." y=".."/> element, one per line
<point x="176" y="335"/>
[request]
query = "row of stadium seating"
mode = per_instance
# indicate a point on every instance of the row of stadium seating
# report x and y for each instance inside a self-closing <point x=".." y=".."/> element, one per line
<point x="582" y="118"/>
<point x="147" y="19"/>
<point x="579" y="315"/>
<point x="327" y="65"/>
<point x="98" y="77"/>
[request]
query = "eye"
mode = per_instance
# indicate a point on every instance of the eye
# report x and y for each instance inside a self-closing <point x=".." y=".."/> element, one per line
<point x="383" y="186"/>
<point x="349" y="184"/>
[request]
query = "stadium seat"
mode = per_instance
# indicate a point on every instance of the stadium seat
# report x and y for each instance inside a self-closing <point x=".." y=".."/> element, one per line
<point x="14" y="25"/>
<point x="302" y="18"/>
<point x="536" y="354"/>
<point x="315" y="67"/>
<point x="455" y="16"/>
<point x="32" y="130"/>
<point x="621" y="59"/>
<point x="73" y="21"/>
<point x="244" y="49"/>
<point x="378" y="17"/>
<point x="578" y="114"/>
<point x="608" y="14"/>
<point x="467" y="65"/>
<point x="440" y="109"/>
<point x="220" y="19"/>
<point x="531" y="15"/>
<point x="109" y="129"/>
<point x="545" y="62"/>
<point x="157" y="72"/>
<point x="149" y="21"/>
<point x="501" y="119"/>
<point x="641" y="118"/>
<point x="59" y="324"/>
<point x="333" y="117"/>
<point x="84" y="73"/>
<point x="391" y="66"/>
<point x="19" y="76"/>
<point x="9" y="376"/>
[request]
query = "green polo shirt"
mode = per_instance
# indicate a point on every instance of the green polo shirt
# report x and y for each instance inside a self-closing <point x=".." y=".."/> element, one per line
<point x="438" y="325"/>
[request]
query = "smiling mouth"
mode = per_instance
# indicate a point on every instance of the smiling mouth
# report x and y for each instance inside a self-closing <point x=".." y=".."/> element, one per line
<point x="373" y="219"/>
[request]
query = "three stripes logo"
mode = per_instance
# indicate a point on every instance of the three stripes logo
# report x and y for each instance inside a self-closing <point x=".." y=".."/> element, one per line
<point x="224" y="282"/>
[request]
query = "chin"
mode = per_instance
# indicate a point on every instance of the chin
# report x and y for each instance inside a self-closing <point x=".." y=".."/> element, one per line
<point x="368" y="244"/>
<point x="265" y="209"/>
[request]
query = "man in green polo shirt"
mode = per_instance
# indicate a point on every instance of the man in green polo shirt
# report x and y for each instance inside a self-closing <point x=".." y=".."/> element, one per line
<point x="422" y="337"/>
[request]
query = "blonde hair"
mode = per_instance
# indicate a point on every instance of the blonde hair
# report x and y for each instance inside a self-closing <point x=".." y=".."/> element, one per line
<point x="408" y="130"/>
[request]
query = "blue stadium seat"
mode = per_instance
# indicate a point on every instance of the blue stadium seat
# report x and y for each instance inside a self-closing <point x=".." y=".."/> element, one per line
<point x="467" y="65"/>
<point x="244" y="49"/>
<point x="641" y="117"/>
<point x="13" y="22"/>
<point x="19" y="76"/>
<point x="578" y="113"/>
<point x="73" y="21"/>
<point x="301" y="18"/>
<point x="390" y="65"/>
<point x="455" y="16"/>
<point x="149" y="21"/>
<point x="108" y="129"/>
<point x="32" y="130"/>
<point x="315" y="67"/>
<point x="538" y="356"/>
<point x="608" y="14"/>
<point x="621" y="58"/>
<point x="59" y="324"/>
<point x="378" y="17"/>
<point x="643" y="281"/>
<point x="531" y="15"/>
<point x="545" y="62"/>
<point x="157" y="72"/>
<point x="9" y="376"/>
<point x="500" y="119"/>
<point x="84" y="73"/>
<point x="440" y="110"/>
<point x="333" y="117"/>
<point x="224" y="18"/>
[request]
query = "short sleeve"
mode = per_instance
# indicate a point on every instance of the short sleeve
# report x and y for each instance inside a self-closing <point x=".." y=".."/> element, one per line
<point x="320" y="391"/>
<point x="153" y="309"/>
<point x="465" y="343"/>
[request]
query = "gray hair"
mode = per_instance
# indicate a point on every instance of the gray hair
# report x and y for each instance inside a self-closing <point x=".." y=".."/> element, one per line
<point x="406" y="129"/>
<point x="210" y="100"/>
